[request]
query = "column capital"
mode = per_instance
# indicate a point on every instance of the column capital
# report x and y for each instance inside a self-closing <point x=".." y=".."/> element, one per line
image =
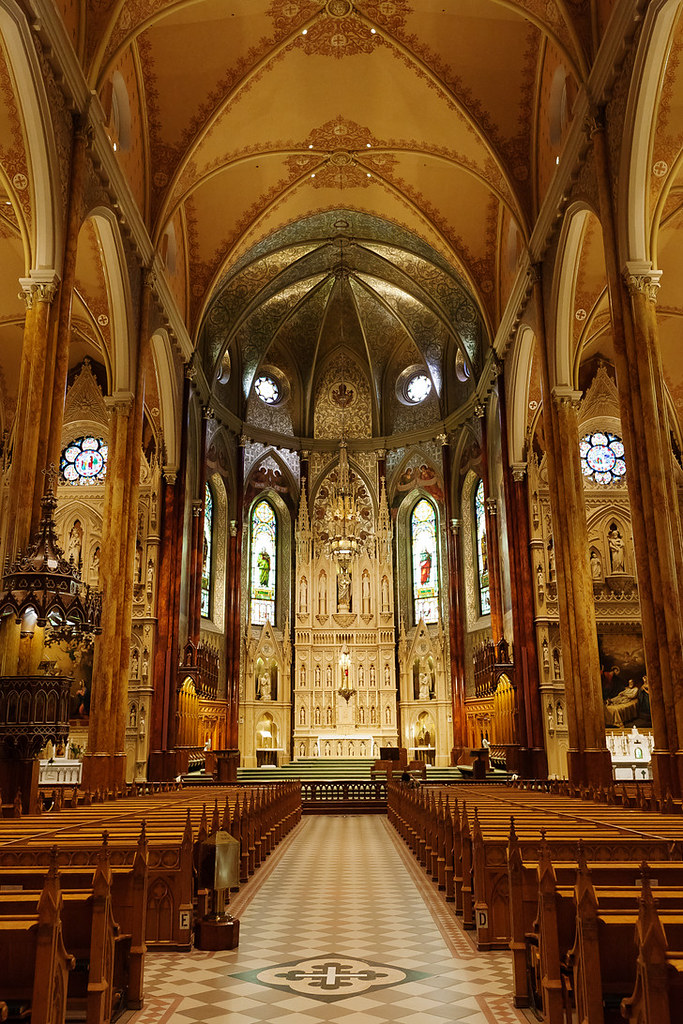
<point x="120" y="401"/>
<point x="519" y="471"/>
<point x="642" y="279"/>
<point x="564" y="395"/>
<point x="39" y="286"/>
<point x="197" y="508"/>
<point x="492" y="506"/>
<point x="479" y="410"/>
<point x="169" y="474"/>
<point x="455" y="527"/>
<point x="442" y="439"/>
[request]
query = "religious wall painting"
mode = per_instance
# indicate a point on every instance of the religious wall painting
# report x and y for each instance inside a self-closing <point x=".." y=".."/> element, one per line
<point x="423" y="539"/>
<point x="625" y="689"/>
<point x="482" y="550"/>
<point x="207" y="550"/>
<point x="267" y="476"/>
<point x="424" y="477"/>
<point x="263" y="563"/>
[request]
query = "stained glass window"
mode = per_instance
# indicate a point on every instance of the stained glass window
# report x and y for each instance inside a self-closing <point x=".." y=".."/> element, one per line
<point x="267" y="389"/>
<point x="425" y="562"/>
<point x="602" y="457"/>
<point x="482" y="550"/>
<point x="207" y="552"/>
<point x="418" y="388"/>
<point x="263" y="562"/>
<point x="84" y="461"/>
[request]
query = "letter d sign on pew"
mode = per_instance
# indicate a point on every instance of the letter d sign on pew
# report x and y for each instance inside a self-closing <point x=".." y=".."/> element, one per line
<point x="482" y="919"/>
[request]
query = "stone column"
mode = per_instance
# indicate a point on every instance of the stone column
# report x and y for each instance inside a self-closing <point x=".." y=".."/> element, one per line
<point x="197" y="545"/>
<point x="533" y="761"/>
<point x="56" y="381"/>
<point x="26" y="481"/>
<point x="233" y="647"/>
<point x="491" y="518"/>
<point x="652" y="494"/>
<point x="98" y="763"/>
<point x="455" y="626"/>
<point x="588" y="759"/>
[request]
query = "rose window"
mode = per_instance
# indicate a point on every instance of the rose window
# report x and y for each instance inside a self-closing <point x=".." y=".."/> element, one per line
<point x="267" y="389"/>
<point x="84" y="461"/>
<point x="418" y="388"/>
<point x="602" y="457"/>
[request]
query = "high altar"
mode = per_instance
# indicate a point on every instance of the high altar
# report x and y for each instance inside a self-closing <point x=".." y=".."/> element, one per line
<point x="345" y="681"/>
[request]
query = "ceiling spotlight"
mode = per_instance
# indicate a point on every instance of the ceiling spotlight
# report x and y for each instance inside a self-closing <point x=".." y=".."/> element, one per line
<point x="373" y="31"/>
<point x="311" y="146"/>
<point x="557" y="160"/>
<point x="369" y="175"/>
<point x="313" y="175"/>
<point x="368" y="145"/>
<point x="304" y="32"/>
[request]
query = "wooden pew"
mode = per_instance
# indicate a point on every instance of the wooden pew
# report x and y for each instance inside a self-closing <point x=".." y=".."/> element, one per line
<point x="128" y="897"/>
<point x="34" y="963"/>
<point x="657" y="995"/>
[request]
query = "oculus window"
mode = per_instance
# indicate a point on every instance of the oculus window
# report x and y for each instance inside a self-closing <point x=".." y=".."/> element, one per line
<point x="84" y="461"/>
<point x="602" y="457"/>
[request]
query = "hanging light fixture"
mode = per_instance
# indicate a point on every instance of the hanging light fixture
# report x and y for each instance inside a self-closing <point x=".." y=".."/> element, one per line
<point x="344" y="510"/>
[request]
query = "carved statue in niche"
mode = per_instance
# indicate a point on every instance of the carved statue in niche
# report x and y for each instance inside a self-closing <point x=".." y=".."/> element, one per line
<point x="559" y="713"/>
<point x="264" y="685"/>
<point x="150" y="575"/>
<point x="362" y="748"/>
<point x="302" y="676"/>
<point x="317" y="716"/>
<point x="596" y="565"/>
<point x="344" y="591"/>
<point x="317" y="675"/>
<point x="387" y="675"/>
<point x="373" y="715"/>
<point x="361" y="715"/>
<point x="387" y="714"/>
<point x="133" y="717"/>
<point x="424" y="686"/>
<point x="328" y="749"/>
<point x="616" y="548"/>
<point x="372" y="675"/>
<point x="385" y="594"/>
<point x="339" y="749"/>
<point x="135" y="663"/>
<point x="540" y="584"/>
<point x="138" y="564"/>
<point x="365" y="594"/>
<point x="328" y="716"/>
<point x="75" y="543"/>
<point x="303" y="595"/>
<point x="302" y="749"/>
<point x="546" y="655"/>
<point x="556" y="664"/>
<point x="322" y="594"/>
<point x="361" y="677"/>
<point x="302" y="715"/>
<point x="328" y="676"/>
<point x="145" y="663"/>
<point x="141" y="727"/>
<point x="95" y="565"/>
<point x="551" y="561"/>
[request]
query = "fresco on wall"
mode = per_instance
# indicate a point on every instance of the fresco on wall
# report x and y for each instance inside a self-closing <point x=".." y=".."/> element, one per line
<point x="625" y="692"/>
<point x="418" y="476"/>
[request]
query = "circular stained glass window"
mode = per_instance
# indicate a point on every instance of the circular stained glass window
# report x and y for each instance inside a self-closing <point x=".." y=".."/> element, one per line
<point x="602" y="457"/>
<point x="267" y="389"/>
<point x="84" y="461"/>
<point x="418" y="388"/>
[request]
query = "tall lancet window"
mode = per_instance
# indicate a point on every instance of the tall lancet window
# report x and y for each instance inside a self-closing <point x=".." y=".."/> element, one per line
<point x="423" y="536"/>
<point x="207" y="553"/>
<point x="263" y="562"/>
<point x="482" y="550"/>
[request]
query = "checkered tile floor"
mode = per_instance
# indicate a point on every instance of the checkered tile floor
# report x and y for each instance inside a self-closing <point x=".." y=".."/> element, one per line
<point x="338" y="892"/>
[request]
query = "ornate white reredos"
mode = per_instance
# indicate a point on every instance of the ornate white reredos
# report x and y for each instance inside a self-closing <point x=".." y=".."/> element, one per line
<point x="268" y="647"/>
<point x="84" y="399"/>
<point x="423" y="644"/>
<point x="601" y="402"/>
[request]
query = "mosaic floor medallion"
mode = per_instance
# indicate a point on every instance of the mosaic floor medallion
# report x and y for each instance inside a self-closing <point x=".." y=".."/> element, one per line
<point x="330" y="977"/>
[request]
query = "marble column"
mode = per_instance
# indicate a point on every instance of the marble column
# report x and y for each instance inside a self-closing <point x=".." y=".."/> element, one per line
<point x="491" y="518"/>
<point x="588" y="760"/>
<point x="26" y="481"/>
<point x="456" y="640"/>
<point x="655" y="517"/>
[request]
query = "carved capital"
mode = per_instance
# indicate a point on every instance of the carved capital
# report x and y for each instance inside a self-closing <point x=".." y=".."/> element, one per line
<point x="209" y="413"/>
<point x="197" y="509"/>
<point x="479" y="410"/>
<point x="641" y="279"/>
<point x="455" y="527"/>
<point x="120" y="401"/>
<point x="564" y="395"/>
<point x="40" y="286"/>
<point x="305" y="454"/>
<point x="492" y="506"/>
<point x="519" y="471"/>
<point x="233" y="527"/>
<point x="170" y="473"/>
